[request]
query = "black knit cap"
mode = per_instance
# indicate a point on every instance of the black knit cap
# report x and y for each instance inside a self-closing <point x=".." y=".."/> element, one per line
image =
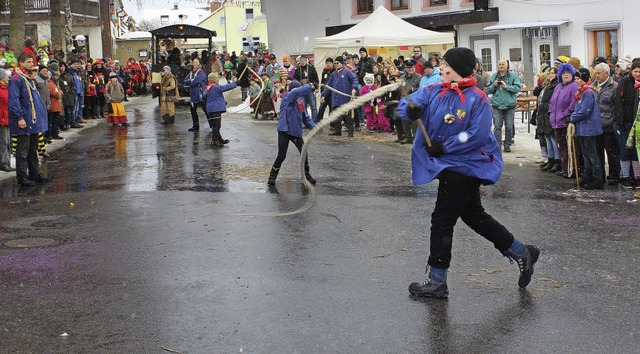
<point x="462" y="60"/>
<point x="339" y="60"/>
<point x="363" y="49"/>
<point x="584" y="74"/>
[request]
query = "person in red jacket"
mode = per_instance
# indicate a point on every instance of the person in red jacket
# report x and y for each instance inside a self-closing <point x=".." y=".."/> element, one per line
<point x="30" y="49"/>
<point x="5" y="134"/>
<point x="56" y="104"/>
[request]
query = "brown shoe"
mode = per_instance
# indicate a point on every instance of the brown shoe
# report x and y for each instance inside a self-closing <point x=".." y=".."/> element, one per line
<point x="404" y="141"/>
<point x="82" y="121"/>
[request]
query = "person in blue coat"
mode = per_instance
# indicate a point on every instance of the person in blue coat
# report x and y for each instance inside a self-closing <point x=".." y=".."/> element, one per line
<point x="292" y="115"/>
<point x="216" y="105"/>
<point x="197" y="82"/>
<point x="588" y="126"/>
<point x="431" y="75"/>
<point x="27" y="118"/>
<point x="463" y="155"/>
<point x="346" y="82"/>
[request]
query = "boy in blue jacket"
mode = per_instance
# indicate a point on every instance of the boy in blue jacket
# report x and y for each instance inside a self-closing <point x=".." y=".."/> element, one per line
<point x="216" y="105"/>
<point x="292" y="116"/>
<point x="588" y="126"/>
<point x="463" y="155"/>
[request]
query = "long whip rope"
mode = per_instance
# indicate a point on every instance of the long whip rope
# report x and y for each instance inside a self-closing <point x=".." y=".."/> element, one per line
<point x="335" y="115"/>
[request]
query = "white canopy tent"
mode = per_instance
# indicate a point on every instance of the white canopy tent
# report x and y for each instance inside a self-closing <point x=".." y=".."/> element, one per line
<point x="382" y="29"/>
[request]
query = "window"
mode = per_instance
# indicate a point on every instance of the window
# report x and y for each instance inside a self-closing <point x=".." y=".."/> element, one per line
<point x="545" y="54"/>
<point x="248" y="14"/>
<point x="487" y="59"/>
<point x="399" y="5"/>
<point x="432" y="3"/>
<point x="250" y="43"/>
<point x="31" y="31"/>
<point x="364" y="7"/>
<point x="164" y="19"/>
<point x="605" y="43"/>
<point x="223" y="21"/>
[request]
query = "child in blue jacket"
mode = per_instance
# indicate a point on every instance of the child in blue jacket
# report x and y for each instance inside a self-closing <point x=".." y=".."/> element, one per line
<point x="216" y="105"/>
<point x="292" y="116"/>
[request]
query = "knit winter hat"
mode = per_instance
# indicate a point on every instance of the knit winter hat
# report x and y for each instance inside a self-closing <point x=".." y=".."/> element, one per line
<point x="544" y="67"/>
<point x="561" y="60"/>
<point x="462" y="60"/>
<point x="363" y="49"/>
<point x="575" y="62"/>
<point x="369" y="76"/>
<point x="214" y="77"/>
<point x="599" y="60"/>
<point x="166" y="67"/>
<point x="339" y="60"/>
<point x="4" y="73"/>
<point x="624" y="63"/>
<point x="584" y="74"/>
<point x="54" y="66"/>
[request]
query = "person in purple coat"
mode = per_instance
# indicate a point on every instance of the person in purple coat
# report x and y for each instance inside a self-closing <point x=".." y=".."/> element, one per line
<point x="561" y="106"/>
<point x="292" y="115"/>
<point x="586" y="117"/>
<point x="197" y="82"/>
<point x="463" y="154"/>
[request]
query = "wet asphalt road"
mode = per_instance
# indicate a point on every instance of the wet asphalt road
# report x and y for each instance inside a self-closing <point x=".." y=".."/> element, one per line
<point x="152" y="252"/>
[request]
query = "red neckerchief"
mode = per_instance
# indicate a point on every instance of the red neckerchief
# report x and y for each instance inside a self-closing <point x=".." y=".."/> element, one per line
<point x="24" y="72"/>
<point x="582" y="89"/>
<point x="210" y="86"/>
<point x="455" y="86"/>
<point x="636" y="85"/>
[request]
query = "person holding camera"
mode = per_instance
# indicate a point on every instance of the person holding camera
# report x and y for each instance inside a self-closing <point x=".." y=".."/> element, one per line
<point x="504" y="85"/>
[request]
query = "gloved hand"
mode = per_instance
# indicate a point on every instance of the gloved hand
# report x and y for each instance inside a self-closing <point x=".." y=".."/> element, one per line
<point x="414" y="112"/>
<point x="435" y="150"/>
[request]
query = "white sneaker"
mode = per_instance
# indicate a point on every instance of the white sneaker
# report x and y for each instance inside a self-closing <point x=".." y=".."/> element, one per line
<point x="541" y="160"/>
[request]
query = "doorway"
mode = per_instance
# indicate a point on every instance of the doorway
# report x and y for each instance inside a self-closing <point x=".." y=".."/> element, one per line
<point x="485" y="49"/>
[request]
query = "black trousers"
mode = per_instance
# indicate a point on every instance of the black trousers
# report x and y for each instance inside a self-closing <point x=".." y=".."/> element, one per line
<point x="194" y="113"/>
<point x="323" y="107"/>
<point x="54" y="125"/>
<point x="283" y="146"/>
<point x="459" y="197"/>
<point x="27" y="157"/>
<point x="215" y="122"/>
<point x="348" y="120"/>
<point x="607" y="142"/>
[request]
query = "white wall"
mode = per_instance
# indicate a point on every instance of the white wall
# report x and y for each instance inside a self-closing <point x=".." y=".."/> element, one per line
<point x="291" y="21"/>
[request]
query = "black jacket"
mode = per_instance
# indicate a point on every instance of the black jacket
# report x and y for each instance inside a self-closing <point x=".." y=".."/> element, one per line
<point x="626" y="101"/>
<point x="543" y="125"/>
<point x="307" y="73"/>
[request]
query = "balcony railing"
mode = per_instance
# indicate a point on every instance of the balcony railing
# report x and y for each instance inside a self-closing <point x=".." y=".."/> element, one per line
<point x="80" y="7"/>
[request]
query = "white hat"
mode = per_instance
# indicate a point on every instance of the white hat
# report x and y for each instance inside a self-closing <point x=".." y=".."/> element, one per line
<point x="624" y="63"/>
<point x="370" y="77"/>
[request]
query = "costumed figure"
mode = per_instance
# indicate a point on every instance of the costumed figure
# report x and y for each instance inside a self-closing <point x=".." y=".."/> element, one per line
<point x="463" y="154"/>
<point x="216" y="105"/>
<point x="169" y="95"/>
<point x="114" y="93"/>
<point x="292" y="116"/>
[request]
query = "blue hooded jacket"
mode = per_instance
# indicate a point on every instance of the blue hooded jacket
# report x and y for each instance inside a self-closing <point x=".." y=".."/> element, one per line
<point x="586" y="114"/>
<point x="20" y="107"/>
<point x="342" y="80"/>
<point x="196" y="85"/>
<point x="291" y="115"/>
<point x="445" y="118"/>
<point x="215" y="99"/>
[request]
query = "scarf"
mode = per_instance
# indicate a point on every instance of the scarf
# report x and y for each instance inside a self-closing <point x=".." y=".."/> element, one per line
<point x="31" y="85"/>
<point x="582" y="89"/>
<point x="455" y="86"/>
<point x="636" y="84"/>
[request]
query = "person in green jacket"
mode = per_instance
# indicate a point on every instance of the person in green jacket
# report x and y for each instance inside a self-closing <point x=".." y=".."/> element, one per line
<point x="634" y="140"/>
<point x="504" y="84"/>
<point x="11" y="58"/>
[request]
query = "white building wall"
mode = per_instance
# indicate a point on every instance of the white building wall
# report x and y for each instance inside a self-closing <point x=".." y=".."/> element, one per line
<point x="293" y="24"/>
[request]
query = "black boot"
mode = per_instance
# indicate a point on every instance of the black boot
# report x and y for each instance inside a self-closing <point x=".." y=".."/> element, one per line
<point x="435" y="286"/>
<point x="222" y="141"/>
<point x="172" y="120"/>
<point x="525" y="261"/>
<point x="215" y="141"/>
<point x="549" y="165"/>
<point x="557" y="167"/>
<point x="195" y="128"/>
<point x="273" y="175"/>
<point x="308" y="175"/>
<point x="164" y="119"/>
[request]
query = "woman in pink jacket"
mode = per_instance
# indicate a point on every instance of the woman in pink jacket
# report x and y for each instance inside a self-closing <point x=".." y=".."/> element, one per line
<point x="5" y="135"/>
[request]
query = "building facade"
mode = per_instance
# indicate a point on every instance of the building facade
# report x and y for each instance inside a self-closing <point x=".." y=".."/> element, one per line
<point x="527" y="32"/>
<point x="84" y="17"/>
